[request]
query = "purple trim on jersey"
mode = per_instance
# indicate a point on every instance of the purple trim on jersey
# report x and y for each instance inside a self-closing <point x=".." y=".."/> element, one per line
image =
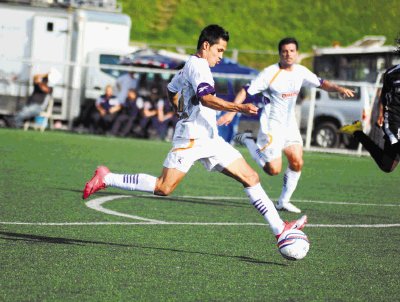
<point x="265" y="100"/>
<point x="321" y="81"/>
<point x="204" y="89"/>
<point x="246" y="87"/>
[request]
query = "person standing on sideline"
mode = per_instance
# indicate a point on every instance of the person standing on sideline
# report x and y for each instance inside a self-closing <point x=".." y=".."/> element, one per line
<point x="196" y="137"/>
<point x="280" y="85"/>
<point x="124" y="83"/>
<point x="388" y="119"/>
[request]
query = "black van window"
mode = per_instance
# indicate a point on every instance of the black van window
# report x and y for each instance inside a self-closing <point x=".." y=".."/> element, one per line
<point x="111" y="60"/>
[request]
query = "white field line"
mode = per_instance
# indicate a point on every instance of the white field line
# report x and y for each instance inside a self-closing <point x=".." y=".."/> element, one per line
<point x="293" y="200"/>
<point x="393" y="225"/>
<point x="96" y="204"/>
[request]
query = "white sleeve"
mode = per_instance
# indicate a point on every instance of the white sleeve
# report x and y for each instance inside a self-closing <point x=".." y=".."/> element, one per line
<point x="160" y="104"/>
<point x="176" y="83"/>
<point x="201" y="78"/>
<point x="261" y="82"/>
<point x="310" y="79"/>
<point x="147" y="105"/>
<point x="139" y="103"/>
<point x="114" y="101"/>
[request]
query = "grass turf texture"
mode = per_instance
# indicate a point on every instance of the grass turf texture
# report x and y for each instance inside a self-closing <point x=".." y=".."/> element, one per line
<point x="42" y="175"/>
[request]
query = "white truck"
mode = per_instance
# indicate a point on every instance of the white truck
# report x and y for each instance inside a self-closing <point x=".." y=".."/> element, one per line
<point x="73" y="38"/>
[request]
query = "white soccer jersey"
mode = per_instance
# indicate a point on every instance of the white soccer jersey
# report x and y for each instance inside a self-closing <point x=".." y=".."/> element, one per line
<point x="280" y="88"/>
<point x="192" y="82"/>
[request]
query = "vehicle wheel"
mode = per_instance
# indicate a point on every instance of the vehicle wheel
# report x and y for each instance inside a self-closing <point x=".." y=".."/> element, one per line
<point x="326" y="135"/>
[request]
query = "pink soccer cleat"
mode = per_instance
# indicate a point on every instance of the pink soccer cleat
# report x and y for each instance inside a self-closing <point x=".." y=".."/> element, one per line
<point x="294" y="225"/>
<point x="96" y="183"/>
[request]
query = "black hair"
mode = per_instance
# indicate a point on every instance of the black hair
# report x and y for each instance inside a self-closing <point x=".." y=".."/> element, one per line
<point x="286" y="41"/>
<point x="212" y="33"/>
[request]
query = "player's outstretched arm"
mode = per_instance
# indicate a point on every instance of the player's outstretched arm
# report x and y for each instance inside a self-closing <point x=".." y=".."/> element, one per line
<point x="219" y="104"/>
<point x="227" y="118"/>
<point x="332" y="87"/>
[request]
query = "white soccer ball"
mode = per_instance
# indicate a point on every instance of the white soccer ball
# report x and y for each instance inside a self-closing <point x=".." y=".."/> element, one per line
<point x="293" y="244"/>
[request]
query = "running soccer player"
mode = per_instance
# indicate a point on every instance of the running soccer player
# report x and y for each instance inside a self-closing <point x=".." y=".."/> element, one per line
<point x="280" y="85"/>
<point x="388" y="118"/>
<point x="196" y="137"/>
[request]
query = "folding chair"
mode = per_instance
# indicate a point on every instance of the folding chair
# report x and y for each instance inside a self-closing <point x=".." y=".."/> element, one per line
<point x="44" y="119"/>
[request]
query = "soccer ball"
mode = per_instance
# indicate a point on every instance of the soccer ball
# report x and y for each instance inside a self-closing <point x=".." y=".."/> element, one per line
<point x="293" y="244"/>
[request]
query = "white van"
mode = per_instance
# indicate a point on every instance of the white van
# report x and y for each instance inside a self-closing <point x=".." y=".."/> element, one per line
<point x="73" y="37"/>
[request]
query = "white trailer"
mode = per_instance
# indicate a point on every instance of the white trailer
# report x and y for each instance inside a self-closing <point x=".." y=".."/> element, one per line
<point x="71" y="39"/>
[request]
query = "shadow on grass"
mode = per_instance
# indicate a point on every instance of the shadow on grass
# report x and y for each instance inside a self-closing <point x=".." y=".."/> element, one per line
<point x="60" y="240"/>
<point x="204" y="201"/>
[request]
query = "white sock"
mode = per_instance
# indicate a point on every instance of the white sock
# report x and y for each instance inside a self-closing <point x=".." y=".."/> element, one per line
<point x="132" y="182"/>
<point x="255" y="152"/>
<point x="290" y="180"/>
<point x="265" y="207"/>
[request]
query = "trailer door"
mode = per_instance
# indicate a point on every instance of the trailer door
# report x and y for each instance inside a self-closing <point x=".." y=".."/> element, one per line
<point x="50" y="48"/>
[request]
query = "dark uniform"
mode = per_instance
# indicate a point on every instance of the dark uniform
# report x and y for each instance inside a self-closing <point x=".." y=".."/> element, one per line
<point x="390" y="98"/>
<point x="388" y="157"/>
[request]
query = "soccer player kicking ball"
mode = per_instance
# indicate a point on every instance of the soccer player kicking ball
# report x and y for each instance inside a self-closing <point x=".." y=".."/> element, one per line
<point x="280" y="85"/>
<point x="196" y="137"/>
<point x="389" y="119"/>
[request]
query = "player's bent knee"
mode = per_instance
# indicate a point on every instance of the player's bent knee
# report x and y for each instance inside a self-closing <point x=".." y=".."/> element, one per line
<point x="272" y="170"/>
<point x="297" y="166"/>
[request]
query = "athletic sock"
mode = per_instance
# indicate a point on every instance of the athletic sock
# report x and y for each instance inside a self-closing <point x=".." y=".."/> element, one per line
<point x="260" y="200"/>
<point x="290" y="180"/>
<point x="133" y="182"/>
<point x="255" y="152"/>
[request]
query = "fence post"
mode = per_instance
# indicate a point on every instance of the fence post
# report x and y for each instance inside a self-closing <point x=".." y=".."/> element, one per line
<point x="310" y="121"/>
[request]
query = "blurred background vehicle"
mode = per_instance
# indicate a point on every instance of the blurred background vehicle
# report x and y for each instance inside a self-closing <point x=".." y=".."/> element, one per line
<point x="332" y="111"/>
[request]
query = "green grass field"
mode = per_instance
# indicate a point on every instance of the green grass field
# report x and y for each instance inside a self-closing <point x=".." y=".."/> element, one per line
<point x="55" y="248"/>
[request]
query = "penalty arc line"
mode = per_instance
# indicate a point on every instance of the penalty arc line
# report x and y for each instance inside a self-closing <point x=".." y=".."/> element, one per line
<point x="96" y="204"/>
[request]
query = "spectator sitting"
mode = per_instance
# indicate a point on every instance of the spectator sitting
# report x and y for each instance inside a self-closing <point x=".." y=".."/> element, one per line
<point x="37" y="102"/>
<point x="149" y="113"/>
<point x="107" y="107"/>
<point x="129" y="115"/>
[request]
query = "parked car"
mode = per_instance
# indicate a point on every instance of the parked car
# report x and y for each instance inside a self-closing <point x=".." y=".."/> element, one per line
<point x="333" y="111"/>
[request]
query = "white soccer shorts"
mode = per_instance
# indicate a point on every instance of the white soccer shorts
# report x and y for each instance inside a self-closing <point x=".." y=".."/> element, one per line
<point x="275" y="139"/>
<point x="215" y="154"/>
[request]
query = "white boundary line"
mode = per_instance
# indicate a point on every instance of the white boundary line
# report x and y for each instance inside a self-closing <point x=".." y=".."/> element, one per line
<point x="393" y="225"/>
<point x="96" y="204"/>
<point x="294" y="200"/>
